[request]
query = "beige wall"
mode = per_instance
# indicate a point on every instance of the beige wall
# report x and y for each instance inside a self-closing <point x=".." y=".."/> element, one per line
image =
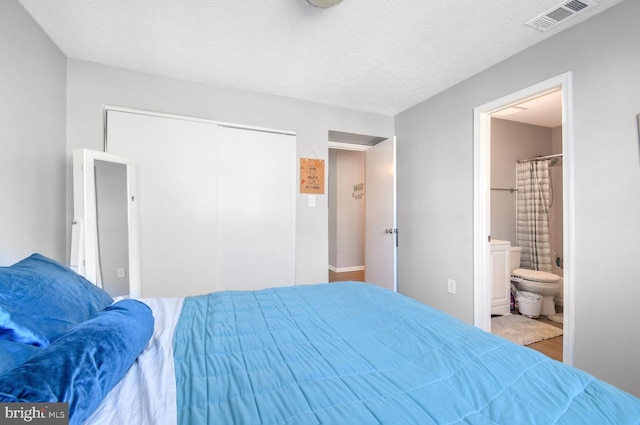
<point x="347" y="233"/>
<point x="511" y="141"/>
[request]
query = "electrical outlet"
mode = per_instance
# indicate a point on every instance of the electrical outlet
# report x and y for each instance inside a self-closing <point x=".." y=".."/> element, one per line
<point x="451" y="286"/>
<point x="121" y="272"/>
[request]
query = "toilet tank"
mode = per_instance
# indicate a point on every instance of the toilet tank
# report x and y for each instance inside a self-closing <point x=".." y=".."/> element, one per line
<point x="515" y="257"/>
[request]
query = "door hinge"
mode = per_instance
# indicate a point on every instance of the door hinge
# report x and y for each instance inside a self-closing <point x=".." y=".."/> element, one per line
<point x="393" y="232"/>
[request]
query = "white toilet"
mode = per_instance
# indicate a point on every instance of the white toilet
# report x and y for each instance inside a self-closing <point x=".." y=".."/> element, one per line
<point x="539" y="282"/>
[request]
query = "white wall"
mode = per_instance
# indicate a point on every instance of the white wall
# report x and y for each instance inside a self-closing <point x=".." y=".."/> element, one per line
<point x="32" y="139"/>
<point x="435" y="186"/>
<point x="511" y="141"/>
<point x="90" y="86"/>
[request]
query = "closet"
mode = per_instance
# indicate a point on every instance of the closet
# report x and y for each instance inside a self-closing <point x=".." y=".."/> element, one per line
<point x="216" y="204"/>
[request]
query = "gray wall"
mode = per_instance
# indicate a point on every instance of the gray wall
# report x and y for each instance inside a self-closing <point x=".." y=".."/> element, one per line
<point x="90" y="86"/>
<point x="32" y="139"/>
<point x="435" y="186"/>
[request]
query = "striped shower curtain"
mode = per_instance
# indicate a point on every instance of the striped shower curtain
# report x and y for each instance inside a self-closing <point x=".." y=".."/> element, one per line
<point x="532" y="221"/>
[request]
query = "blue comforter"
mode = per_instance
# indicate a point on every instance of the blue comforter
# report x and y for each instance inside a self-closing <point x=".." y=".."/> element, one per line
<point x="352" y="353"/>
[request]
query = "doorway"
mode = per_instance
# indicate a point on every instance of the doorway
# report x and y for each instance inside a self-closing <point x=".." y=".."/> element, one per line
<point x="373" y="203"/>
<point x="483" y="198"/>
<point x="346" y="214"/>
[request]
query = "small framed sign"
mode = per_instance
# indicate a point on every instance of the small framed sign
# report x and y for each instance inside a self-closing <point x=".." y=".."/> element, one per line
<point x="312" y="176"/>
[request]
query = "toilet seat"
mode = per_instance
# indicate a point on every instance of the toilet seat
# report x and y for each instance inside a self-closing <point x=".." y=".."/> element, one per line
<point x="536" y="276"/>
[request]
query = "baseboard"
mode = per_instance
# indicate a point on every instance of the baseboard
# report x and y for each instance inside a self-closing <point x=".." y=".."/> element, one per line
<point x="346" y="269"/>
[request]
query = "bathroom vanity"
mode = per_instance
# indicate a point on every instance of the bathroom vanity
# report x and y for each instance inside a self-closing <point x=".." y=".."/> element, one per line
<point x="500" y="277"/>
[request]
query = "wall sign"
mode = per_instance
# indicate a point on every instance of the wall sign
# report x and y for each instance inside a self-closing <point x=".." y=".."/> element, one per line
<point x="312" y="176"/>
<point x="358" y="190"/>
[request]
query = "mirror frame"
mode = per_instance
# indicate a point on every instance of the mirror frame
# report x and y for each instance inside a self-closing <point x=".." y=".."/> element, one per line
<point x="84" y="239"/>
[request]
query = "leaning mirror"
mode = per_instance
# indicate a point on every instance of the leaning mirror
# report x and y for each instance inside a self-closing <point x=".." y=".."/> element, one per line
<point x="104" y="242"/>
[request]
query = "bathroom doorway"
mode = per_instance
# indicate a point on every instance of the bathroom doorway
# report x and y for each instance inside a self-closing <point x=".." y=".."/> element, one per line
<point x="522" y="115"/>
<point x="526" y="137"/>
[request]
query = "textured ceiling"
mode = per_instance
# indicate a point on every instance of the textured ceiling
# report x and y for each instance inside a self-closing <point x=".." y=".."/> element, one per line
<point x="380" y="56"/>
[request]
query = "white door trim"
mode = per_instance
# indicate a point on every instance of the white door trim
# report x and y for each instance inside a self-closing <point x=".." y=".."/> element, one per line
<point x="481" y="198"/>
<point x="348" y="146"/>
<point x="364" y="148"/>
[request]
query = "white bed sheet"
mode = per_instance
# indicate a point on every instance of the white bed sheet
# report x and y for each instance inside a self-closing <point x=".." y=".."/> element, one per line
<point x="146" y="395"/>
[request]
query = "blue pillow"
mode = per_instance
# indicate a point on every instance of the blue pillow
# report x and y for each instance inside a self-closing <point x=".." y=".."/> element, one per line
<point x="13" y="354"/>
<point x="84" y="364"/>
<point x="15" y="332"/>
<point x="41" y="299"/>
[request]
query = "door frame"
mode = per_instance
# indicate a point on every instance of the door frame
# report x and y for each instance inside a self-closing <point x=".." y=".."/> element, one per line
<point x="345" y="146"/>
<point x="364" y="148"/>
<point x="481" y="202"/>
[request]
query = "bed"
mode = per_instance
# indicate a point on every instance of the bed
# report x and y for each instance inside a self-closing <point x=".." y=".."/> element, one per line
<point x="334" y="353"/>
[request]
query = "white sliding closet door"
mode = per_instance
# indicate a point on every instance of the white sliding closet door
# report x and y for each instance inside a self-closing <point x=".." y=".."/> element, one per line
<point x="216" y="204"/>
<point x="176" y="164"/>
<point x="256" y="209"/>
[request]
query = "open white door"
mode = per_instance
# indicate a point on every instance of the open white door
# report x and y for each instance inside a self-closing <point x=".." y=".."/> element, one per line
<point x="381" y="228"/>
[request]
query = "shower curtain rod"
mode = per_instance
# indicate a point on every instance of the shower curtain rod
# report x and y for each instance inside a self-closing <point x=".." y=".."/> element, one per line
<point x="539" y="158"/>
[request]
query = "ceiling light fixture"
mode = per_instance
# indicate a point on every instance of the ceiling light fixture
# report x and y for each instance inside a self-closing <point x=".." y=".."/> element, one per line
<point x="324" y="3"/>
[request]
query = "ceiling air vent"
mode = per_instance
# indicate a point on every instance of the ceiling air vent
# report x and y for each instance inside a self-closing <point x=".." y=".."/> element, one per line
<point x="560" y="13"/>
